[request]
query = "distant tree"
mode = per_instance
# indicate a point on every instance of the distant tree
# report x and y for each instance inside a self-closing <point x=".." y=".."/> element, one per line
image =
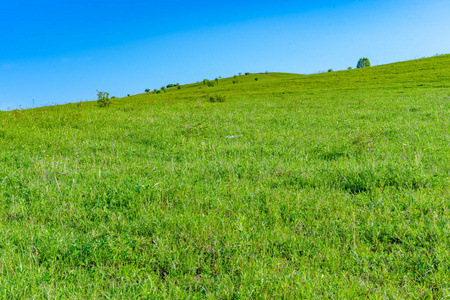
<point x="103" y="99"/>
<point x="330" y="70"/>
<point x="363" y="63"/>
<point x="247" y="73"/>
<point x="349" y="68"/>
<point x="147" y="90"/>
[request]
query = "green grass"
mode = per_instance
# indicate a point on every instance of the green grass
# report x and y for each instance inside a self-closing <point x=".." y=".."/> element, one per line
<point x="330" y="185"/>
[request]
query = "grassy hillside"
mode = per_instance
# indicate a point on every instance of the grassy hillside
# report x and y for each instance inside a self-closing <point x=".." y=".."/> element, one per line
<point x="330" y="185"/>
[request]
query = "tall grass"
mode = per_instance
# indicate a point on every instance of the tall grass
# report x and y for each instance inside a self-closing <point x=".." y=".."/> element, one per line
<point x="332" y="185"/>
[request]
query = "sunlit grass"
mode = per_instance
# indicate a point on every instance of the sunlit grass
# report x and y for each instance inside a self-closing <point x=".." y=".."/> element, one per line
<point x="331" y="185"/>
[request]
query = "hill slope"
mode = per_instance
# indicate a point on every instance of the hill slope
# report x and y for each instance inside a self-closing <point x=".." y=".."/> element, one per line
<point x="332" y="185"/>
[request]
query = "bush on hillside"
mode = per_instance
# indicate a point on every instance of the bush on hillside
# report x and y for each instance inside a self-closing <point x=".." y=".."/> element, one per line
<point x="208" y="82"/>
<point x="147" y="90"/>
<point x="363" y="63"/>
<point x="103" y="99"/>
<point x="217" y="98"/>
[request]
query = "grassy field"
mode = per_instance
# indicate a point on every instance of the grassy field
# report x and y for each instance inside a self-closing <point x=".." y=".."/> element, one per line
<point x="332" y="185"/>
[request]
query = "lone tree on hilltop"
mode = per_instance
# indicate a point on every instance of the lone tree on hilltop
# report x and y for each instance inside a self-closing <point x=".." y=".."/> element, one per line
<point x="363" y="62"/>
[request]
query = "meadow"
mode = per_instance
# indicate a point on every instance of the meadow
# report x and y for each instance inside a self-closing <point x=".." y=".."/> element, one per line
<point x="331" y="185"/>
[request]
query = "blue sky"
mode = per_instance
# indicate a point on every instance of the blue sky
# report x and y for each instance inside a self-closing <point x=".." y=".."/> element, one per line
<point x="57" y="52"/>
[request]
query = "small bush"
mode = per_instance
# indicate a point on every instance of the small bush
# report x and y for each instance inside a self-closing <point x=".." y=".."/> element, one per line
<point x="330" y="70"/>
<point x="158" y="91"/>
<point x="179" y="87"/>
<point x="363" y="63"/>
<point x="208" y="82"/>
<point x="128" y="95"/>
<point x="235" y="76"/>
<point x="217" y="98"/>
<point x="113" y="97"/>
<point x="247" y="73"/>
<point x="147" y="90"/>
<point x="256" y="79"/>
<point x="221" y="98"/>
<point x="103" y="99"/>
<point x="163" y="88"/>
<point x="349" y="68"/>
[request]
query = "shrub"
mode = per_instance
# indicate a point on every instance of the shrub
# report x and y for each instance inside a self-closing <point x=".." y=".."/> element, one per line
<point x="179" y="87"/>
<point x="247" y="73"/>
<point x="147" y="90"/>
<point x="128" y="95"/>
<point x="103" y="99"/>
<point x="256" y="79"/>
<point x="158" y="91"/>
<point x="330" y="70"/>
<point x="217" y="98"/>
<point x="349" y="68"/>
<point x="363" y="63"/>
<point x="221" y="98"/>
<point x="113" y="97"/>
<point x="235" y="76"/>
<point x="163" y="88"/>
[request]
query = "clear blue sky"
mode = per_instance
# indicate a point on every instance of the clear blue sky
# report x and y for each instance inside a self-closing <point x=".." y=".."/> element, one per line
<point x="63" y="51"/>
